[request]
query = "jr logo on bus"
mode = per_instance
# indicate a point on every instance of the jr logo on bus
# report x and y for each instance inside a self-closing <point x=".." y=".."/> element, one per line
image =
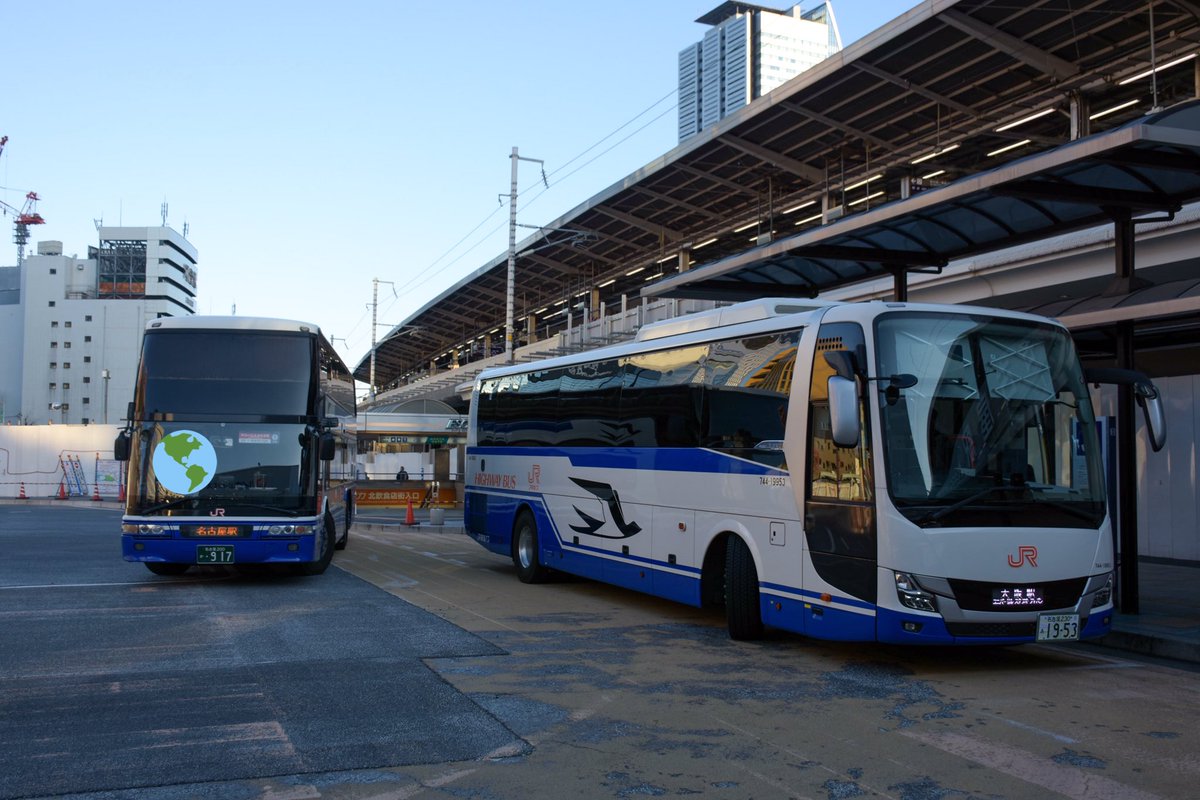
<point x="607" y="494"/>
<point x="1025" y="552"/>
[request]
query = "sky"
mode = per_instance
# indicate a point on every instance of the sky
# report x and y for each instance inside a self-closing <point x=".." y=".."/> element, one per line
<point x="312" y="149"/>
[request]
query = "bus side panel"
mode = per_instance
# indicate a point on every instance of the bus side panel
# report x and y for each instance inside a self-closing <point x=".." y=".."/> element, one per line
<point x="489" y="519"/>
<point x="840" y="619"/>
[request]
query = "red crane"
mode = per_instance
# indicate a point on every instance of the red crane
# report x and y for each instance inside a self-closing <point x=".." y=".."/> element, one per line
<point x="24" y="216"/>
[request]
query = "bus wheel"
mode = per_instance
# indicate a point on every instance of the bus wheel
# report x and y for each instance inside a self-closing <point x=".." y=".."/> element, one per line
<point x="525" y="550"/>
<point x="345" y="540"/>
<point x="325" y="546"/>
<point x="742" y="609"/>
<point x="160" y="568"/>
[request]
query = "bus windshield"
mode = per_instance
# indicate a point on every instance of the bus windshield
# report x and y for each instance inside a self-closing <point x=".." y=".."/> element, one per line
<point x="226" y="372"/>
<point x="998" y="429"/>
<point x="209" y="468"/>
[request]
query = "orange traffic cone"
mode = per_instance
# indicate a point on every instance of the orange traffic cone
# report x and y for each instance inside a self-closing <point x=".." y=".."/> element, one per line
<point x="95" y="492"/>
<point x="62" y="490"/>
<point x="410" y="518"/>
<point x="22" y="495"/>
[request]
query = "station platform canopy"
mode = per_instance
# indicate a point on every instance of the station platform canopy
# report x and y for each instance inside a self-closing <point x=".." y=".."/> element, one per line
<point x="948" y="90"/>
<point x="1150" y="166"/>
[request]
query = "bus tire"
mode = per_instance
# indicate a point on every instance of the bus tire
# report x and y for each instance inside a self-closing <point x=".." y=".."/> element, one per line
<point x="525" y="549"/>
<point x="162" y="568"/>
<point x="742" y="611"/>
<point x="325" y="553"/>
<point x="341" y="543"/>
<point x="345" y="540"/>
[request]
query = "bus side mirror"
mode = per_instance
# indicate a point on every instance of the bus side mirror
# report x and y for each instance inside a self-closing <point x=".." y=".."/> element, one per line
<point x="121" y="446"/>
<point x="1144" y="392"/>
<point x="326" y="447"/>
<point x="1150" y="399"/>
<point x="843" y="411"/>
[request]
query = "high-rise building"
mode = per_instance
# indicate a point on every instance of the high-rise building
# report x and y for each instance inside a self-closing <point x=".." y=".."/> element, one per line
<point x="748" y="51"/>
<point x="72" y="327"/>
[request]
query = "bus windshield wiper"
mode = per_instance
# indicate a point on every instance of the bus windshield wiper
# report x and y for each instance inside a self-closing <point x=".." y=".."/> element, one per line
<point x="1069" y="509"/>
<point x="178" y="501"/>
<point x="933" y="516"/>
<point x="291" y="512"/>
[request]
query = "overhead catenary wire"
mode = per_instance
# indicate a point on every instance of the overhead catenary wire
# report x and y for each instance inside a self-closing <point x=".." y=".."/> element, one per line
<point x="427" y="273"/>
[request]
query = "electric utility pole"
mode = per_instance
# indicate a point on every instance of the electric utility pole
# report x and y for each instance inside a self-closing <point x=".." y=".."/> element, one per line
<point x="374" y="311"/>
<point x="512" y="252"/>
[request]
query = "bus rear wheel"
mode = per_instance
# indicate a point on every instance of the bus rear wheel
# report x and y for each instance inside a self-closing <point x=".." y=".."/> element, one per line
<point x="525" y="550"/>
<point x="162" y="568"/>
<point x="345" y="540"/>
<point x="742" y="610"/>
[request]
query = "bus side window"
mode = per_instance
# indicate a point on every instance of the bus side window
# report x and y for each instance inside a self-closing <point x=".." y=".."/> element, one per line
<point x="835" y="473"/>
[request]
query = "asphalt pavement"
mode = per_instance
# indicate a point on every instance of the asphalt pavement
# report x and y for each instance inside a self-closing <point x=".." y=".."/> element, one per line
<point x="1167" y="625"/>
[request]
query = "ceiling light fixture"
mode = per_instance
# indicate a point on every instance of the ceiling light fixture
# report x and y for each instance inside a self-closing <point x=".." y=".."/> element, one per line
<point x="1008" y="147"/>
<point x="1159" y="68"/>
<point x="805" y="204"/>
<point x="1114" y="109"/>
<point x="934" y="154"/>
<point x="871" y="196"/>
<point x="1023" y="120"/>
<point x="863" y="182"/>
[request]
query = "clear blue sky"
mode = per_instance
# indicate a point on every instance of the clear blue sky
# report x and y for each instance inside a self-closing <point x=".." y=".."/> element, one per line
<point x="311" y="147"/>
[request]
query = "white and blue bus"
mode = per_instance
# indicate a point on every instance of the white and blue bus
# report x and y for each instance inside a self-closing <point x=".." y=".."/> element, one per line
<point x="241" y="444"/>
<point x="863" y="471"/>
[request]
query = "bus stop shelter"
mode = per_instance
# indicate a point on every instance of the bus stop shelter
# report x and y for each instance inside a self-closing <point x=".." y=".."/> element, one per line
<point x="1144" y="171"/>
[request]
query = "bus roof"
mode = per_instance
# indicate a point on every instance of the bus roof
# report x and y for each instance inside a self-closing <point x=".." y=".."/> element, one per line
<point x="750" y="318"/>
<point x="231" y="323"/>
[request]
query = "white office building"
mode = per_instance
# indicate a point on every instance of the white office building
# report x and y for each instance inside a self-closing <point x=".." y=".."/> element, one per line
<point x="748" y="51"/>
<point x="72" y="327"/>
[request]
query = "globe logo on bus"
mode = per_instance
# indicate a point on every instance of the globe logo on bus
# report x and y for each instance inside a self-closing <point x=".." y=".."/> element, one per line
<point x="184" y="462"/>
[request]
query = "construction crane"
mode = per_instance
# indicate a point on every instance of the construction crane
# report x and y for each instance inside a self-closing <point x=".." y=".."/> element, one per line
<point x="24" y="216"/>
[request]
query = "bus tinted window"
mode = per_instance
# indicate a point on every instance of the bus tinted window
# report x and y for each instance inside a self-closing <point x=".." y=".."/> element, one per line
<point x="589" y="397"/>
<point x="748" y="385"/>
<point x="728" y="395"/>
<point x="662" y="401"/>
<point x="485" y="412"/>
<point x="227" y="372"/>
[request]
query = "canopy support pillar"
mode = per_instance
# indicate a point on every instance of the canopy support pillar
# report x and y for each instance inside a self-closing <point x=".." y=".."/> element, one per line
<point x="1126" y="488"/>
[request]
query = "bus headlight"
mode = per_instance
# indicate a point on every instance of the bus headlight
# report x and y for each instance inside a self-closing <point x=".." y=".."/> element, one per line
<point x="912" y="595"/>
<point x="289" y="530"/>
<point x="145" y="529"/>
<point x="1103" y="596"/>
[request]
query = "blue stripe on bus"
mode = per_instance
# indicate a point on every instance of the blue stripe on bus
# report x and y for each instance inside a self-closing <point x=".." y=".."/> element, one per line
<point x="631" y="558"/>
<point x="852" y="602"/>
<point x="667" y="459"/>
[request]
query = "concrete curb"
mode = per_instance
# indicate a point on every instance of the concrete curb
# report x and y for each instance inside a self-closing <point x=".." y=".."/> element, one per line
<point x="1157" y="645"/>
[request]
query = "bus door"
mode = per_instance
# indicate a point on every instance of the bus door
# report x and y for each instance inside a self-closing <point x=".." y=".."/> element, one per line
<point x="840" y="521"/>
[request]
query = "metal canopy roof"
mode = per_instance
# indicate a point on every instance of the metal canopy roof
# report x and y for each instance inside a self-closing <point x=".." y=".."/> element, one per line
<point x="1149" y="165"/>
<point x="936" y="86"/>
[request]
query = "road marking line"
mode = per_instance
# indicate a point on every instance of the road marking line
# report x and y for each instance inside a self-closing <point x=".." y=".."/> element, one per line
<point x="1030" y="768"/>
